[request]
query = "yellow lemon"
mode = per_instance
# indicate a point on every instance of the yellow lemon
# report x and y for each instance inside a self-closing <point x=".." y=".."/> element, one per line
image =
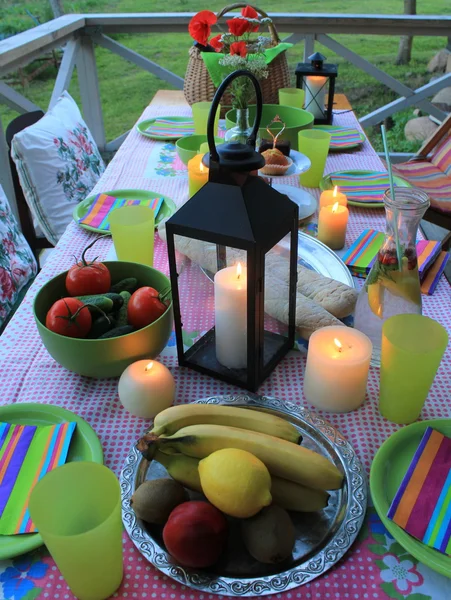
<point x="375" y="296"/>
<point x="236" y="482"/>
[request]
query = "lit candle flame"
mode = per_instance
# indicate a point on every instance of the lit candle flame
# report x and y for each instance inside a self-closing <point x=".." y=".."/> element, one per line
<point x="238" y="270"/>
<point x="201" y="167"/>
<point x="338" y="345"/>
<point x="335" y="191"/>
<point x="335" y="207"/>
<point x="149" y="366"/>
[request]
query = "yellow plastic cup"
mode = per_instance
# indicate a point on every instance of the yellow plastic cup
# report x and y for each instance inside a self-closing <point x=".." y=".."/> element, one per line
<point x="315" y="145"/>
<point x="77" y="510"/>
<point x="133" y="231"/>
<point x="292" y="97"/>
<point x="412" y="348"/>
<point x="201" y="110"/>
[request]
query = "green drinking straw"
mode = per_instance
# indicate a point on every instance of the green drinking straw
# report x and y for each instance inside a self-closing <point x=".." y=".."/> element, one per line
<point x="392" y="189"/>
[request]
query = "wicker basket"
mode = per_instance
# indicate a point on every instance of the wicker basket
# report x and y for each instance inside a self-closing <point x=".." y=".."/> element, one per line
<point x="198" y="86"/>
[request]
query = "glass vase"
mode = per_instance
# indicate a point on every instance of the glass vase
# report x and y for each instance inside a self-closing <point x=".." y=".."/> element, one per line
<point x="240" y="133"/>
<point x="393" y="285"/>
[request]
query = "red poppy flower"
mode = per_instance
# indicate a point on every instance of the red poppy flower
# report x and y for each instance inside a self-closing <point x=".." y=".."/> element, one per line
<point x="250" y="13"/>
<point x="216" y="43"/>
<point x="239" y="48"/>
<point x="200" y="26"/>
<point x="238" y="26"/>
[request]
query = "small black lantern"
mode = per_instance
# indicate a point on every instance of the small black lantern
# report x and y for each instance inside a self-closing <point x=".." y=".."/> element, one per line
<point x="318" y="80"/>
<point x="233" y="226"/>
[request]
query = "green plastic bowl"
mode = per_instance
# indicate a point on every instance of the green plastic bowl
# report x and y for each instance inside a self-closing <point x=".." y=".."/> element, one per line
<point x="187" y="147"/>
<point x="295" y="119"/>
<point x="109" y="357"/>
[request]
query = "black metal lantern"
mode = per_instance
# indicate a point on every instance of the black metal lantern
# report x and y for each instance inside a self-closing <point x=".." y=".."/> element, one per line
<point x="318" y="81"/>
<point x="245" y="295"/>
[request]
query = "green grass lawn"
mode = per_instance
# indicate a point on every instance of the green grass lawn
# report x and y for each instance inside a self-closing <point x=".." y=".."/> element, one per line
<point x="126" y="90"/>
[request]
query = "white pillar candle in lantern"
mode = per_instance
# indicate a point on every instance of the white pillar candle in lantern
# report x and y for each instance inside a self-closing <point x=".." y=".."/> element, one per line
<point x="315" y="93"/>
<point x="338" y="360"/>
<point x="231" y="316"/>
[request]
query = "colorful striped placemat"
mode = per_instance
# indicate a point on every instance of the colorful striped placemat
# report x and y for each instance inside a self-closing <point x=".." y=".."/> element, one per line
<point x="102" y="205"/>
<point x="422" y="505"/>
<point x="343" y="137"/>
<point x="171" y="127"/>
<point x="362" y="187"/>
<point x="27" y="453"/>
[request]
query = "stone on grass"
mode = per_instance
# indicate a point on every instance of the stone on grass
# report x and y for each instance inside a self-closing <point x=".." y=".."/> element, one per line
<point x="439" y="62"/>
<point x="419" y="129"/>
<point x="443" y="98"/>
<point x="448" y="65"/>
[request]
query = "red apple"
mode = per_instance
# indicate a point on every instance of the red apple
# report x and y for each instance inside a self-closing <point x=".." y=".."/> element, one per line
<point x="195" y="534"/>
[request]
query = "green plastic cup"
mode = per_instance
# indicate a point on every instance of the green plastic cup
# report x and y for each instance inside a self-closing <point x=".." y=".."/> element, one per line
<point x="77" y="510"/>
<point x="315" y="145"/>
<point x="133" y="231"/>
<point x="292" y="97"/>
<point x="201" y="110"/>
<point x="412" y="348"/>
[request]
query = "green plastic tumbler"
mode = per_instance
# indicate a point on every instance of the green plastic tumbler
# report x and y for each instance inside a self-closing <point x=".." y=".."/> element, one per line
<point x="77" y="510"/>
<point x="292" y="97"/>
<point x="315" y="145"/>
<point x="133" y="231"/>
<point x="412" y="348"/>
<point x="201" y="110"/>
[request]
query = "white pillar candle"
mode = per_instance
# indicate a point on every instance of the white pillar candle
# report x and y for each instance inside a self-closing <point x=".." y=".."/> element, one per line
<point x="329" y="197"/>
<point x="315" y="91"/>
<point x="146" y="387"/>
<point x="231" y="316"/>
<point x="332" y="223"/>
<point x="338" y="360"/>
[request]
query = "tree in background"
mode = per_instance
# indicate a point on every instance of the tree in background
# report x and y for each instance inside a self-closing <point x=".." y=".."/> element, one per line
<point x="405" y="43"/>
<point x="57" y="8"/>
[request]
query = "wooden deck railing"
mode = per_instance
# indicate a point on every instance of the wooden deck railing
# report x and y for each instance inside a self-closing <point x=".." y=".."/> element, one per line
<point x="80" y="33"/>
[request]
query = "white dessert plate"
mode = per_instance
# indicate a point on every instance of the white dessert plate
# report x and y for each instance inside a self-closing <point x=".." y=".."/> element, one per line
<point x="306" y="202"/>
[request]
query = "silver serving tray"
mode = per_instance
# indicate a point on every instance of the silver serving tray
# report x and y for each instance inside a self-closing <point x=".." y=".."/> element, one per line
<point x="322" y="538"/>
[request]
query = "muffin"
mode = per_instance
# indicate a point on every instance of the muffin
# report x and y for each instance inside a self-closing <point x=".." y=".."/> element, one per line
<point x="276" y="162"/>
<point x="283" y="145"/>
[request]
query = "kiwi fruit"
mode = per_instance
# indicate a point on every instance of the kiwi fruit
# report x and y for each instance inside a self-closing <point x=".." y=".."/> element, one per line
<point x="154" y="500"/>
<point x="269" y="536"/>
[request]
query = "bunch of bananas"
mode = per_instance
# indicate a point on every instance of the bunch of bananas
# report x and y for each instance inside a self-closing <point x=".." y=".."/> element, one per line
<point x="184" y="434"/>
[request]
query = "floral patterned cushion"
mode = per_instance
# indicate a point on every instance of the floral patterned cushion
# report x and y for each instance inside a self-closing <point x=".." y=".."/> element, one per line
<point x="58" y="165"/>
<point x="17" y="263"/>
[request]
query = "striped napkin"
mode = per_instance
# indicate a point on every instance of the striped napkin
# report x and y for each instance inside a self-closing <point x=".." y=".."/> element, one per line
<point x="362" y="187"/>
<point x="362" y="254"/>
<point x="422" y="505"/>
<point x="27" y="453"/>
<point x="102" y="205"/>
<point x="171" y="128"/>
<point x="343" y="137"/>
<point x="432" y="277"/>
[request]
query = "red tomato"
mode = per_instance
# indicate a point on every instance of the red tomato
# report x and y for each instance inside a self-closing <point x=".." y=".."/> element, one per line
<point x="144" y="307"/>
<point x="86" y="278"/>
<point x="69" y="317"/>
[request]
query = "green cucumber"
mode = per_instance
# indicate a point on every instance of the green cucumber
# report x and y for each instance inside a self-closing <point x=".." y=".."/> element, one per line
<point x="129" y="284"/>
<point x="122" y="314"/>
<point x="100" y="326"/>
<point x="97" y="301"/>
<point x="117" y="331"/>
<point x="117" y="299"/>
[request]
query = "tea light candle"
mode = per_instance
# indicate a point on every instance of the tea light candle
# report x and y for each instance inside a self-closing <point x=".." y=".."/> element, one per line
<point x="197" y="174"/>
<point x="231" y="316"/>
<point x="315" y="91"/>
<point x="332" y="223"/>
<point x="146" y="387"/>
<point x="329" y="197"/>
<point x="338" y="361"/>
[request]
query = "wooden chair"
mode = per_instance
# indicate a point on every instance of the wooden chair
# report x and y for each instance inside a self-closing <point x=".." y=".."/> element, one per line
<point x="26" y="222"/>
<point x="430" y="171"/>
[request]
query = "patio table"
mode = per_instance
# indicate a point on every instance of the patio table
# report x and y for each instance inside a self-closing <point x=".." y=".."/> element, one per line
<point x="376" y="567"/>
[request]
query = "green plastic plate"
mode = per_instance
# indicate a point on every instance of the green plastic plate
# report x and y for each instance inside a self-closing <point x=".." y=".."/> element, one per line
<point x="332" y="128"/>
<point x="167" y="209"/>
<point x="144" y="125"/>
<point x="387" y="471"/>
<point x="85" y="445"/>
<point x="326" y="184"/>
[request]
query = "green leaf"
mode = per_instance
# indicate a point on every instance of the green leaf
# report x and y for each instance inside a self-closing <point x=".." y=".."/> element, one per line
<point x="380" y="538"/>
<point x="32" y="594"/>
<point x="396" y="549"/>
<point x="391" y="592"/>
<point x="419" y="597"/>
<point x="380" y="564"/>
<point x="377" y="549"/>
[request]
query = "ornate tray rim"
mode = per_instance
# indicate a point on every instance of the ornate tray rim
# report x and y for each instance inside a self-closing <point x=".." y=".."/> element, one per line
<point x="315" y="566"/>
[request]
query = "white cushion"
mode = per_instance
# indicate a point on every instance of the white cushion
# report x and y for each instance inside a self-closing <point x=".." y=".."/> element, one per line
<point x="17" y="263"/>
<point x="58" y="164"/>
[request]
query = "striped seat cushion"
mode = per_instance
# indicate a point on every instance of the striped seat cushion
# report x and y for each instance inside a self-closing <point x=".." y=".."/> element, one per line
<point x="428" y="177"/>
<point x="442" y="156"/>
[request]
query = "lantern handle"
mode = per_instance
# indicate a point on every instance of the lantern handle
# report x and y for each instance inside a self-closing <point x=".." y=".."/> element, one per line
<point x="214" y="156"/>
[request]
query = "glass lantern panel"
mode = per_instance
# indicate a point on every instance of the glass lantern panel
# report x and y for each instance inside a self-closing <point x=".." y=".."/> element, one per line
<point x="316" y="93"/>
<point x="276" y="300"/>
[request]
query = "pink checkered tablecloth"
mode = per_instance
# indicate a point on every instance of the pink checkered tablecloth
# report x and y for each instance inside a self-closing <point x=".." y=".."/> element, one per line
<point x="376" y="567"/>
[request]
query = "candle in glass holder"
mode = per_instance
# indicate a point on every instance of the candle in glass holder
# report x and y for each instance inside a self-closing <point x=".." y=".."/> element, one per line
<point x="197" y="174"/>
<point x="231" y="316"/>
<point x="338" y="361"/>
<point x="332" y="223"/>
<point x="329" y="197"/>
<point x="315" y="92"/>
<point x="146" y="387"/>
